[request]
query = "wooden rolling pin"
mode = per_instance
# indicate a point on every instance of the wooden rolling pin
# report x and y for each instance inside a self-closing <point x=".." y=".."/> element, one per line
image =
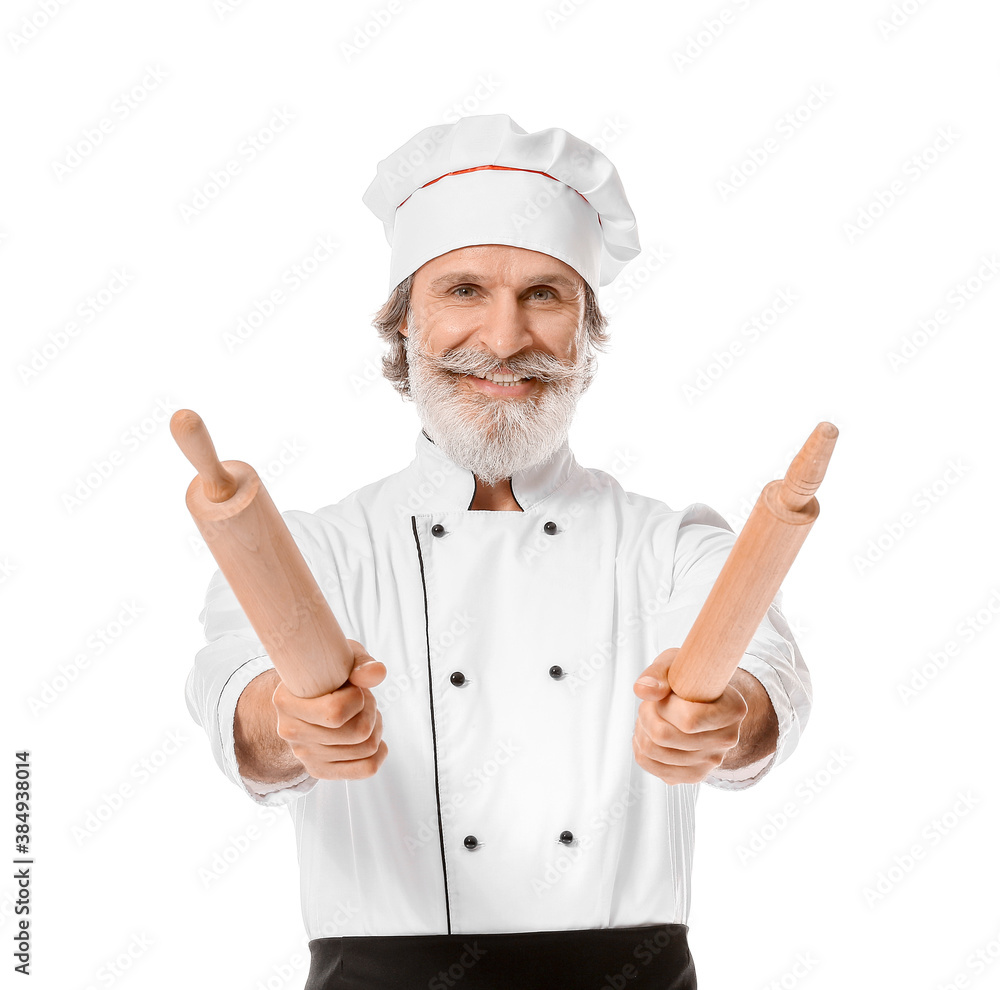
<point x="752" y="574"/>
<point x="263" y="565"/>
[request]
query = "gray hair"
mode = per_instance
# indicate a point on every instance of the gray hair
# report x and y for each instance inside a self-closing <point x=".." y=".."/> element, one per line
<point x="397" y="309"/>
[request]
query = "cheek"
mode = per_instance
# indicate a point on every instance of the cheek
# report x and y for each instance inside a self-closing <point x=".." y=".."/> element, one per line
<point x="446" y="335"/>
<point x="565" y="344"/>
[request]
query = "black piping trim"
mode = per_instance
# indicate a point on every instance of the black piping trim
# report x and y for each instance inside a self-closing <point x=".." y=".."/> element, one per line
<point x="430" y="695"/>
<point x="261" y="656"/>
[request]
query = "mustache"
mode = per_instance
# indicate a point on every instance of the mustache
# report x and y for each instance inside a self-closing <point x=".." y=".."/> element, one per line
<point x="544" y="367"/>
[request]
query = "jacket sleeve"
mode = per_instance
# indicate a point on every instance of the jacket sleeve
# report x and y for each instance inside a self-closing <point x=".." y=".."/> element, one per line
<point x="704" y="540"/>
<point x="232" y="658"/>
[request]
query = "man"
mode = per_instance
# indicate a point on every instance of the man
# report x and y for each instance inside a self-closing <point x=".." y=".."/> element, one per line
<point x="485" y="801"/>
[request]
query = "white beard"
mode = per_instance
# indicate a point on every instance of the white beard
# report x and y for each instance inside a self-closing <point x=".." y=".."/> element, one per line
<point x="494" y="436"/>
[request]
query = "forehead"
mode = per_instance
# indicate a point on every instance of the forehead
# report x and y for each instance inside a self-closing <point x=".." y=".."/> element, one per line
<point x="496" y="264"/>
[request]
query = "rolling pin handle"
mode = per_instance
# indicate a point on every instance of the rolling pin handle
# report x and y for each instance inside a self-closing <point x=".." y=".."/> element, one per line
<point x="192" y="437"/>
<point x="807" y="471"/>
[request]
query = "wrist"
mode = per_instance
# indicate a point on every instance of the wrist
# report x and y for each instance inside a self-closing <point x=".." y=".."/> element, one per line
<point x="262" y="755"/>
<point x="759" y="729"/>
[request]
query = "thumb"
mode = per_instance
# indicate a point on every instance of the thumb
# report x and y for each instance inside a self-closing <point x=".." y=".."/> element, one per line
<point x="367" y="671"/>
<point x="652" y="684"/>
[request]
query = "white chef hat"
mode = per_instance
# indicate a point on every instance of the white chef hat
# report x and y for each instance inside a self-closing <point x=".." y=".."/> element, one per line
<point x="485" y="180"/>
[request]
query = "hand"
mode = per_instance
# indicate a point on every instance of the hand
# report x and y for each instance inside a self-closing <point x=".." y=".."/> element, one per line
<point x="679" y="741"/>
<point x="337" y="736"/>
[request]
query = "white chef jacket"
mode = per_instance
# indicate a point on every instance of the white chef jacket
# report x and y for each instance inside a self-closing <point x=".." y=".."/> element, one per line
<point x="510" y="801"/>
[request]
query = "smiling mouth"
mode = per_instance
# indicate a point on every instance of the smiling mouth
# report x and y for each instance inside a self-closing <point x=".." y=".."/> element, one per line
<point x="499" y="385"/>
<point x="501" y="379"/>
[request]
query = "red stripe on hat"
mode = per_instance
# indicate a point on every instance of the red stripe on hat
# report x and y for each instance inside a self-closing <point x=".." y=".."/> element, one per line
<point x="504" y="168"/>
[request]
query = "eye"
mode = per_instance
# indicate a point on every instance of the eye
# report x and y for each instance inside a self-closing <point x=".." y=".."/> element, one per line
<point x="547" y="293"/>
<point x="462" y="289"/>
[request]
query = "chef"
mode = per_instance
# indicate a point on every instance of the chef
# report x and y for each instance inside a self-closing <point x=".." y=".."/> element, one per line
<point x="500" y="796"/>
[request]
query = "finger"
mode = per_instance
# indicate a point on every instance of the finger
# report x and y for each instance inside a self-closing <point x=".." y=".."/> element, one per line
<point x="678" y="752"/>
<point x="368" y="674"/>
<point x="319" y="749"/>
<point x="697" y="716"/>
<point x="351" y="769"/>
<point x="648" y="687"/>
<point x="367" y="671"/>
<point x="652" y="682"/>
<point x="645" y="747"/>
<point x="671" y="773"/>
<point x="332" y="710"/>
<point x="667" y="735"/>
<point x="357" y="730"/>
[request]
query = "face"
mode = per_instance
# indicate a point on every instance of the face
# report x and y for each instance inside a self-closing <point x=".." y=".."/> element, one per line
<point x="496" y="355"/>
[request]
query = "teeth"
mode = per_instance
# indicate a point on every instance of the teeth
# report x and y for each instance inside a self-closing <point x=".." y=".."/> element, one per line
<point x="503" y="379"/>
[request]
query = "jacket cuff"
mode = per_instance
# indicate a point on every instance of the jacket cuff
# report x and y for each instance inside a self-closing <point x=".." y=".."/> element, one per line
<point x="259" y="792"/>
<point x="788" y="730"/>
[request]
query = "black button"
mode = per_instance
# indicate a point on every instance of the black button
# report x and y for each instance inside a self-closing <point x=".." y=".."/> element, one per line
<point x="458" y="678"/>
<point x="555" y="672"/>
<point x="550" y="527"/>
<point x="437" y="529"/>
<point x="471" y="842"/>
<point x="566" y="837"/>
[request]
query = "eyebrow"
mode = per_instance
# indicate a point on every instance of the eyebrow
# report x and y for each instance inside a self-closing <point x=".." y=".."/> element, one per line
<point x="458" y="278"/>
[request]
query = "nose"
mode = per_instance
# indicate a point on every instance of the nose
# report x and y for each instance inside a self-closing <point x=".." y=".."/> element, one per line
<point x="506" y="326"/>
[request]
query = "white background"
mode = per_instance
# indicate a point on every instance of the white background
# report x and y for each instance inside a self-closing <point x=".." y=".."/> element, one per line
<point x="834" y="894"/>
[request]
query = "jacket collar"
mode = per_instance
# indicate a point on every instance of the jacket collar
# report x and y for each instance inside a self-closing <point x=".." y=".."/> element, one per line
<point x="443" y="486"/>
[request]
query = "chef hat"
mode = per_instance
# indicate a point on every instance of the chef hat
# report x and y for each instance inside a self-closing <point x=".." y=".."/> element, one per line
<point x="485" y="180"/>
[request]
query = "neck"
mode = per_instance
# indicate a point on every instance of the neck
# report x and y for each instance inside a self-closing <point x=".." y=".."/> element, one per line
<point x="498" y="497"/>
<point x="495" y="498"/>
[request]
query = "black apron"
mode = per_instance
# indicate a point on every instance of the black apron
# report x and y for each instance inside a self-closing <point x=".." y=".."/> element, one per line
<point x="653" y="957"/>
